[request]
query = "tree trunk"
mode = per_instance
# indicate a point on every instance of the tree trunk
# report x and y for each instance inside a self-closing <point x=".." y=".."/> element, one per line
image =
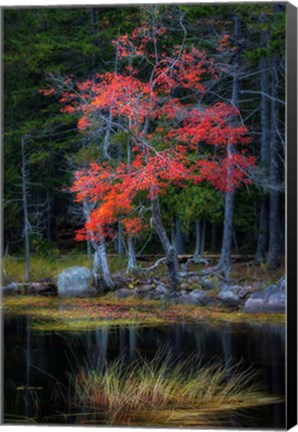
<point x="226" y="249"/>
<point x="225" y="256"/>
<point x="179" y="240"/>
<point x="120" y="240"/>
<point x="100" y="265"/>
<point x="87" y="208"/>
<point x="171" y="254"/>
<point x="132" y="261"/>
<point x="263" y="230"/>
<point x="26" y="224"/>
<point x="262" y="245"/>
<point x="49" y="217"/>
<point x="203" y="238"/>
<point x="198" y="239"/>
<point x="274" y="220"/>
<point x="213" y="237"/>
<point x="89" y="249"/>
<point x="96" y="270"/>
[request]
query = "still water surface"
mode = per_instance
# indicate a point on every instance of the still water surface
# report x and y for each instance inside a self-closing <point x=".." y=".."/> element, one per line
<point x="37" y="365"/>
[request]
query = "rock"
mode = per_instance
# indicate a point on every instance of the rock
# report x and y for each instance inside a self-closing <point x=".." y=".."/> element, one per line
<point x="185" y="286"/>
<point x="276" y="302"/>
<point x="255" y="303"/>
<point x="149" y="296"/>
<point x="40" y="288"/>
<point x="124" y="293"/>
<point x="162" y="290"/>
<point x="271" y="299"/>
<point x="13" y="287"/>
<point x="201" y="297"/>
<point x="187" y="299"/>
<point x="207" y="283"/>
<point x="271" y="289"/>
<point x="143" y="289"/>
<point x="230" y="295"/>
<point x="76" y="281"/>
<point x="175" y="294"/>
<point x="35" y="287"/>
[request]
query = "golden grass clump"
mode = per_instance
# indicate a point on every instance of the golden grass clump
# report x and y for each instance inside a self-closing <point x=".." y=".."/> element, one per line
<point x="150" y="393"/>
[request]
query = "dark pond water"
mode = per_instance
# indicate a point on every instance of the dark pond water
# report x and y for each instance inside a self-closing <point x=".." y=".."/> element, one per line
<point x="36" y="364"/>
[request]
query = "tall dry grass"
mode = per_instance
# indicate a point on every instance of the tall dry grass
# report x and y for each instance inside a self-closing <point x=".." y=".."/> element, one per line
<point x="150" y="393"/>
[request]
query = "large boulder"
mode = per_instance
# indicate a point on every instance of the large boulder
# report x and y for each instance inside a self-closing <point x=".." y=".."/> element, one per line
<point x="230" y="295"/>
<point x="12" y="287"/>
<point x="161" y="289"/>
<point x="201" y="297"/>
<point x="76" y="281"/>
<point x="207" y="283"/>
<point x="143" y="289"/>
<point x="271" y="299"/>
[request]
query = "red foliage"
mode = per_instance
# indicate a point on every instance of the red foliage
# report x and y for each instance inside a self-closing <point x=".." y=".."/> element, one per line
<point x="130" y="103"/>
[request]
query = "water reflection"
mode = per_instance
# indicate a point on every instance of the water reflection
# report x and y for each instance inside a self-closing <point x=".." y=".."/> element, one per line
<point x="35" y="362"/>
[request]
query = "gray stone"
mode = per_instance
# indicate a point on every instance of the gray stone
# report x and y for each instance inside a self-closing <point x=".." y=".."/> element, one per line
<point x="76" y="281"/>
<point x="175" y="294"/>
<point x="162" y="290"/>
<point x="255" y="303"/>
<point x="271" y="299"/>
<point x="207" y="283"/>
<point x="149" y="296"/>
<point x="201" y="297"/>
<point x="187" y="299"/>
<point x="276" y="302"/>
<point x="124" y="293"/>
<point x="12" y="287"/>
<point x="229" y="295"/>
<point x="271" y="289"/>
<point x="143" y="289"/>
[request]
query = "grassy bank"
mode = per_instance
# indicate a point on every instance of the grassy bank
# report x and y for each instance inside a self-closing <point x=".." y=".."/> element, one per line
<point x="75" y="314"/>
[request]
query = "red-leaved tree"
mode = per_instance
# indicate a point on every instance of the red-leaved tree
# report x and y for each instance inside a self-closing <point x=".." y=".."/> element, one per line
<point x="164" y="130"/>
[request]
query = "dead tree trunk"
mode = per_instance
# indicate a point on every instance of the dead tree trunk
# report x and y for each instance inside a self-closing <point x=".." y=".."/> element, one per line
<point x="203" y="238"/>
<point x="120" y="241"/>
<point x="198" y="240"/>
<point x="262" y="245"/>
<point x="26" y="223"/>
<point x="213" y="237"/>
<point x="171" y="254"/>
<point x="101" y="268"/>
<point x="274" y="219"/>
<point x="179" y="240"/>
<point x="226" y="249"/>
<point x="132" y="261"/>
